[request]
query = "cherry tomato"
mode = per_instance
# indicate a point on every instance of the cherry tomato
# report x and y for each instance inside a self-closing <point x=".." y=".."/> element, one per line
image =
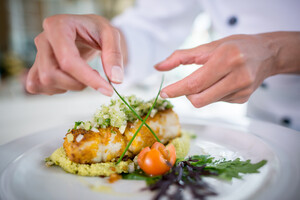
<point x="158" y="160"/>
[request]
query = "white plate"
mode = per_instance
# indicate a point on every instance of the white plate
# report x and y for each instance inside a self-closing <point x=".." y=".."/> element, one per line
<point x="23" y="174"/>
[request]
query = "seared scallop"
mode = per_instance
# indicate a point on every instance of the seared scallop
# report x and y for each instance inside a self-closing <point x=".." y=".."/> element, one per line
<point x="165" y="125"/>
<point x="87" y="146"/>
<point x="84" y="146"/>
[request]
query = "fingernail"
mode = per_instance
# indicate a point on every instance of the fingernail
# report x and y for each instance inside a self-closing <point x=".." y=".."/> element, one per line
<point x="157" y="65"/>
<point x="164" y="95"/>
<point x="117" y="74"/>
<point x="105" y="91"/>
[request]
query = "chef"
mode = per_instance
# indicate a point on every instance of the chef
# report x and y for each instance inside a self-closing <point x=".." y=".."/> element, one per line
<point x="256" y="59"/>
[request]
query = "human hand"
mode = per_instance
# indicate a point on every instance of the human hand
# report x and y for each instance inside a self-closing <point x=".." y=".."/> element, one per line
<point x="65" y="46"/>
<point x="232" y="69"/>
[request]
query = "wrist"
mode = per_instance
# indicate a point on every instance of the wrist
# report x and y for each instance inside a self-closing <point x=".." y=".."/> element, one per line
<point x="285" y="50"/>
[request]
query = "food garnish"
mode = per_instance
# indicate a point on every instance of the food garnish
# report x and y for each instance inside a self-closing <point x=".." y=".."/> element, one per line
<point x="188" y="174"/>
<point x="123" y="111"/>
<point x="158" y="160"/>
<point x="143" y="121"/>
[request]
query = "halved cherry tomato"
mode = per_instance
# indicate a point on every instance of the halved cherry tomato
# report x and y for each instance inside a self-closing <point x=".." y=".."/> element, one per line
<point x="158" y="160"/>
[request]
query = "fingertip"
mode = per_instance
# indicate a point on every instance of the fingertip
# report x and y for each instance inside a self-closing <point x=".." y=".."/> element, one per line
<point x="157" y="66"/>
<point x="162" y="66"/>
<point x="164" y="95"/>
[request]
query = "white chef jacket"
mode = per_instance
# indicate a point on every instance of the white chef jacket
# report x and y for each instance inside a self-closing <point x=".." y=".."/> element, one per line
<point x="155" y="28"/>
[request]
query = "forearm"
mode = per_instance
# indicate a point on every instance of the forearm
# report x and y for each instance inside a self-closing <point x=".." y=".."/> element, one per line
<point x="286" y="51"/>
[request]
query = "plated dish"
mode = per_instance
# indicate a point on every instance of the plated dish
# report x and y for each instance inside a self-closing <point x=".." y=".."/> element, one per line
<point x="110" y="142"/>
<point x="116" y="143"/>
<point x="23" y="175"/>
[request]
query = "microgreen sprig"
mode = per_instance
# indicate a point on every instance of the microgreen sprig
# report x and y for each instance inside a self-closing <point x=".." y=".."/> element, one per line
<point x="143" y="121"/>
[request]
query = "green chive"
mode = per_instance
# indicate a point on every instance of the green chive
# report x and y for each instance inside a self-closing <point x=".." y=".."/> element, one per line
<point x="143" y="122"/>
<point x="134" y="110"/>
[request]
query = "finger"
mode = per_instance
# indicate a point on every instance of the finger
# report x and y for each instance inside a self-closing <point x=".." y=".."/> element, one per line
<point x="112" y="58"/>
<point x="49" y="73"/>
<point x="61" y="37"/>
<point x="198" y="81"/>
<point x="197" y="55"/>
<point x="34" y="86"/>
<point x="216" y="92"/>
<point x="32" y="80"/>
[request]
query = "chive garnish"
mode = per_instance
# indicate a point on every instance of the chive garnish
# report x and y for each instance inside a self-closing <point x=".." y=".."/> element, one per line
<point x="143" y="120"/>
<point x="139" y="117"/>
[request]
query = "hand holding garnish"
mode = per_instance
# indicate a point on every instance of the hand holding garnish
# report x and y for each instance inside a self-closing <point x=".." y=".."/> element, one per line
<point x="233" y="67"/>
<point x="65" y="46"/>
<point x="158" y="160"/>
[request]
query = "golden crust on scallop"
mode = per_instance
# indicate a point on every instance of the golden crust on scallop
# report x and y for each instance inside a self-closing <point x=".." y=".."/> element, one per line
<point x="87" y="147"/>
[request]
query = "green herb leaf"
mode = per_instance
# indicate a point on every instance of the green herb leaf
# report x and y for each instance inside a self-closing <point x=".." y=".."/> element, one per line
<point x="200" y="160"/>
<point x="77" y="124"/>
<point x="232" y="168"/>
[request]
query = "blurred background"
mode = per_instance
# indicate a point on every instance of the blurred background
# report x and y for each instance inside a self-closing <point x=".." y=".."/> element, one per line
<point x="22" y="113"/>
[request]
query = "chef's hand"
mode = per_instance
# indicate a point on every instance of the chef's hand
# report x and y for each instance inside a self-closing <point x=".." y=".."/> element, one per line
<point x="65" y="46"/>
<point x="233" y="67"/>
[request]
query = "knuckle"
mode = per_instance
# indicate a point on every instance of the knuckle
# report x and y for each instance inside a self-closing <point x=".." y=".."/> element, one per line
<point x="54" y="20"/>
<point x="46" y="79"/>
<point x="65" y="64"/>
<point x="233" y="53"/>
<point x="195" y="101"/>
<point x="48" y="22"/>
<point x="248" y="79"/>
<point x="238" y="58"/>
